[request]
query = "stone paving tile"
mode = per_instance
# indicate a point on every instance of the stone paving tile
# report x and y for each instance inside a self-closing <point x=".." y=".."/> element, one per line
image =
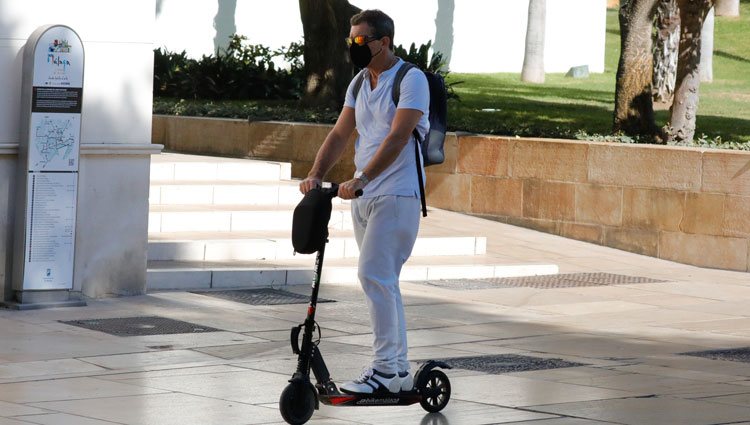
<point x="9" y="371"/>
<point x="15" y="409"/>
<point x="52" y="345"/>
<point x="151" y="358"/>
<point x="734" y="399"/>
<point x="560" y="421"/>
<point x="172" y="372"/>
<point x="67" y="389"/>
<point x="514" y="391"/>
<point x="736" y="369"/>
<point x="582" y="375"/>
<point x="674" y="372"/>
<point x="11" y="421"/>
<point x="63" y="419"/>
<point x="482" y="347"/>
<point x="502" y="330"/>
<point x="456" y="413"/>
<point x="165" y="409"/>
<point x="188" y="341"/>
<point x="592" y="345"/>
<point x="243" y="385"/>
<point x="659" y="385"/>
<point x="651" y="411"/>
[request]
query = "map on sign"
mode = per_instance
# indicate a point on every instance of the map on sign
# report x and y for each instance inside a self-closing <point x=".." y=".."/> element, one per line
<point x="54" y="142"/>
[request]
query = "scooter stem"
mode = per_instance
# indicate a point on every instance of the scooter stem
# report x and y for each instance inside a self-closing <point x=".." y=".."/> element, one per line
<point x="303" y="361"/>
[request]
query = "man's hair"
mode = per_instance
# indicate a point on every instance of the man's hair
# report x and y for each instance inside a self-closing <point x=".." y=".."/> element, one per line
<point x="377" y="20"/>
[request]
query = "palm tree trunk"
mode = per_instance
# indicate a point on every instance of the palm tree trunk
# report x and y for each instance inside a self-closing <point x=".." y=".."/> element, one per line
<point x="634" y="109"/>
<point x="224" y="24"/>
<point x="727" y="7"/>
<point x="533" y="59"/>
<point x="444" y="31"/>
<point x="685" y="105"/>
<point x="707" y="48"/>
<point x="666" y="43"/>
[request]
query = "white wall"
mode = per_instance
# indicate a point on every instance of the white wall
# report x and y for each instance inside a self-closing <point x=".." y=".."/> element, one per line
<point x="115" y="136"/>
<point x="489" y="35"/>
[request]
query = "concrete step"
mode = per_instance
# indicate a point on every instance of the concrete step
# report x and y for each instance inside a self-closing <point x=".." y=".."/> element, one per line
<point x="171" y="166"/>
<point x="278" y="245"/>
<point x="233" y="218"/>
<point x="226" y="192"/>
<point x="223" y="222"/>
<point x="202" y="275"/>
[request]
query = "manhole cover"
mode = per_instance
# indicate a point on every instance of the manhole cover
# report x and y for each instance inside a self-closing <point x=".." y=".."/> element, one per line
<point x="139" y="326"/>
<point x="263" y="296"/>
<point x="506" y="363"/>
<point x="542" y="282"/>
<point x="730" y="354"/>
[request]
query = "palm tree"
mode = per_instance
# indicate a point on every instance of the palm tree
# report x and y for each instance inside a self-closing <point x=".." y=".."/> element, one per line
<point x="533" y="59"/>
<point x="634" y="109"/>
<point x="707" y="48"/>
<point x="666" y="43"/>
<point x="685" y="106"/>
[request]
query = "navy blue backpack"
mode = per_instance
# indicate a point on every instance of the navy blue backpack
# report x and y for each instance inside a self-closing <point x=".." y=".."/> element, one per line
<point x="432" y="145"/>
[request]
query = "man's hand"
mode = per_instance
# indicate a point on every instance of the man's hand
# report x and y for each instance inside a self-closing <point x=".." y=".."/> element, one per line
<point x="309" y="184"/>
<point x="347" y="189"/>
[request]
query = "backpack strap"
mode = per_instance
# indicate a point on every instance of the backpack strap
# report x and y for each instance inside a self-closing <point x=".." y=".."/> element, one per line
<point x="358" y="83"/>
<point x="396" y="95"/>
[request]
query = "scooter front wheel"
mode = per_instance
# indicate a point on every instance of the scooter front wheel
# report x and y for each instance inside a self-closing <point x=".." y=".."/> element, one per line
<point x="297" y="403"/>
<point x="436" y="391"/>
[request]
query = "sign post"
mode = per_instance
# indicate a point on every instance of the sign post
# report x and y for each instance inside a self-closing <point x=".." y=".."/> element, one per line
<point x="46" y="197"/>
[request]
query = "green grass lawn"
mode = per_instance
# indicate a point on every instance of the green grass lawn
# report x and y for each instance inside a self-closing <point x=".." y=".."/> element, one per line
<point x="563" y="107"/>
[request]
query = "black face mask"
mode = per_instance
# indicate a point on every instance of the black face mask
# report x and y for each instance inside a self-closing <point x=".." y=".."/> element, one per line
<point x="361" y="55"/>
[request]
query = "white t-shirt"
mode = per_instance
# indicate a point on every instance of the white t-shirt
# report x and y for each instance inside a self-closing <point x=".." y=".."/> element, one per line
<point x="374" y="112"/>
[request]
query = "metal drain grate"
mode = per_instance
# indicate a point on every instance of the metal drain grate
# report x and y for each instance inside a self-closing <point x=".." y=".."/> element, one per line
<point x="730" y="354"/>
<point x="263" y="296"/>
<point x="140" y="326"/>
<point x="543" y="281"/>
<point x="506" y="363"/>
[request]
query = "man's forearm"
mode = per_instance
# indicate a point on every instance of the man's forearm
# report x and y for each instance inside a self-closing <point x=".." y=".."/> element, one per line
<point x="328" y="155"/>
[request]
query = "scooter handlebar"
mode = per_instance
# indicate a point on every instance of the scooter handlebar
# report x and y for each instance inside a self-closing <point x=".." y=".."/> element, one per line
<point x="334" y="191"/>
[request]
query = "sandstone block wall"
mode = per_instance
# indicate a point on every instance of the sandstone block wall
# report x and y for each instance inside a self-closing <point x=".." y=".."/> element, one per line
<point x="681" y="204"/>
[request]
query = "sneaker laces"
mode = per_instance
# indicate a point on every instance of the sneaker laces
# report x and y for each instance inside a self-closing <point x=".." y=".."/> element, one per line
<point x="365" y="375"/>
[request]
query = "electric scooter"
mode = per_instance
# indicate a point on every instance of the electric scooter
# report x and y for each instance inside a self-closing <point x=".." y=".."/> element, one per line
<point x="301" y="398"/>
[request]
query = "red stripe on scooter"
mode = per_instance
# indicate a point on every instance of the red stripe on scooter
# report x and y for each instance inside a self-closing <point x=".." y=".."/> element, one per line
<point x="340" y="400"/>
<point x="310" y="310"/>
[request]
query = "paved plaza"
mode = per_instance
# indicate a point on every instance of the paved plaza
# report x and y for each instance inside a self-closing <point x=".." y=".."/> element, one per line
<point x="581" y="347"/>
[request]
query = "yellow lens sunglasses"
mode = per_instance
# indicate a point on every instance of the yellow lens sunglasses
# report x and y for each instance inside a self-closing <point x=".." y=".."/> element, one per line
<point x="359" y="40"/>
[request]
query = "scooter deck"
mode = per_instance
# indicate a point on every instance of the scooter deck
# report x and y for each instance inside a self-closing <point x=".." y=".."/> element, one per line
<point x="403" y="398"/>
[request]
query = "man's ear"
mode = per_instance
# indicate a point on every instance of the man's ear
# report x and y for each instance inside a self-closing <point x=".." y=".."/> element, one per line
<point x="388" y="43"/>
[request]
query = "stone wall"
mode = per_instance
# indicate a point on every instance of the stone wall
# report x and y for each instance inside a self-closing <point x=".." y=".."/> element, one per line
<point x="681" y="204"/>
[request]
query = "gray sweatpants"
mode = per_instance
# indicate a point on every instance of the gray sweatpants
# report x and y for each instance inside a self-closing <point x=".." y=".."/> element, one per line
<point x="385" y="228"/>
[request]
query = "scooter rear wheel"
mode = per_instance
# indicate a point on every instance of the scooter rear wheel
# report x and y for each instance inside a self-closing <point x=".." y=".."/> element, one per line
<point x="436" y="391"/>
<point x="297" y="403"/>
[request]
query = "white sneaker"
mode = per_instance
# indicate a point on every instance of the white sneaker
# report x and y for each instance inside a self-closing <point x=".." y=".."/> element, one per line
<point x="407" y="381"/>
<point x="372" y="381"/>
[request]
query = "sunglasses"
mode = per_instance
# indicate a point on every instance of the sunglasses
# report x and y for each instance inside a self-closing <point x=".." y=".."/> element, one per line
<point x="359" y="40"/>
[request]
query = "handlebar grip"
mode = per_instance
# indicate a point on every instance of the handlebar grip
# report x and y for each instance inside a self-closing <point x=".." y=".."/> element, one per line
<point x="359" y="193"/>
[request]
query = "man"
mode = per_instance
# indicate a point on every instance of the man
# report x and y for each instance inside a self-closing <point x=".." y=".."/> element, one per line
<point x="386" y="216"/>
